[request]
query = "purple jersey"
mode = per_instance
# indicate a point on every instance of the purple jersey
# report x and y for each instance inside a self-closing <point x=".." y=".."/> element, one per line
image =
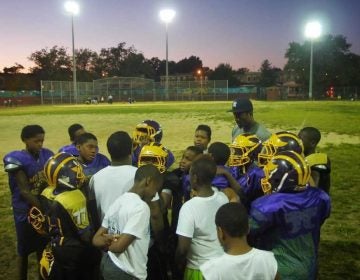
<point x="70" y="149"/>
<point x="100" y="161"/>
<point x="220" y="181"/>
<point x="289" y="224"/>
<point x="23" y="160"/>
<point x="250" y="183"/>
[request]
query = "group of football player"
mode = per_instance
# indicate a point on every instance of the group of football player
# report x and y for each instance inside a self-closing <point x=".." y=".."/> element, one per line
<point x="87" y="216"/>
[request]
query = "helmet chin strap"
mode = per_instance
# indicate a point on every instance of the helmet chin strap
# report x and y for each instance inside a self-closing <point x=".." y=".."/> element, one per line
<point x="282" y="181"/>
<point x="66" y="183"/>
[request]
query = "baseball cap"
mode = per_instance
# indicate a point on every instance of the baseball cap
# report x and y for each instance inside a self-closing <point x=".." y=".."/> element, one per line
<point x="241" y="105"/>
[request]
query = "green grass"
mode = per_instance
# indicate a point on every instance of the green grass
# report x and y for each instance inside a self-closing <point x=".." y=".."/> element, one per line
<point x="339" y="123"/>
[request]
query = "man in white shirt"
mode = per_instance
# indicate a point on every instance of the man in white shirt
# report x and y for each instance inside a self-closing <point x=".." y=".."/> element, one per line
<point x="239" y="261"/>
<point x="196" y="229"/>
<point x="125" y="230"/>
<point x="112" y="181"/>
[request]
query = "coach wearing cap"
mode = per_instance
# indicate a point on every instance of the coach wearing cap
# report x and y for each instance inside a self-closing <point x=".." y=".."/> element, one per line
<point x="243" y="114"/>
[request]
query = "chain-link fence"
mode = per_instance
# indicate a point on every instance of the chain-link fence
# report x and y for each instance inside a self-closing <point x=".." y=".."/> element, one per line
<point x="124" y="89"/>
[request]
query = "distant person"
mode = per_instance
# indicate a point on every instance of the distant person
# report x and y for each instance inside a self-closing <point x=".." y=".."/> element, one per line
<point x="110" y="99"/>
<point x="202" y="137"/>
<point x="74" y="131"/>
<point x="245" y="122"/>
<point x="114" y="180"/>
<point x="26" y="181"/>
<point x="124" y="233"/>
<point x="288" y="219"/>
<point x="239" y="261"/>
<point x="196" y="229"/>
<point x="319" y="162"/>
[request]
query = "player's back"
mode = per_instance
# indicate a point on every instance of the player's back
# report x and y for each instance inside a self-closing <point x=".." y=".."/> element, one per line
<point x="289" y="224"/>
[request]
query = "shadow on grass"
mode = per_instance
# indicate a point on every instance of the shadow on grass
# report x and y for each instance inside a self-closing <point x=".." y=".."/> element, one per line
<point x="339" y="260"/>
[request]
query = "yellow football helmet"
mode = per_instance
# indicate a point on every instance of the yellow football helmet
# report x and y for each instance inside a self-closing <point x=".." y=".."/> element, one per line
<point x="286" y="172"/>
<point x="244" y="149"/>
<point x="64" y="170"/>
<point x="154" y="153"/>
<point x="146" y="132"/>
<point x="278" y="142"/>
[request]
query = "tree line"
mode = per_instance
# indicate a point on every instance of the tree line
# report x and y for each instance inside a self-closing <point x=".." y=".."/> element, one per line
<point x="334" y="65"/>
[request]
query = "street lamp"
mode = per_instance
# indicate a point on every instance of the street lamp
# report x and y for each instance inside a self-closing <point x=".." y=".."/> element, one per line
<point x="312" y="31"/>
<point x="167" y="15"/>
<point x="72" y="7"/>
<point x="199" y="72"/>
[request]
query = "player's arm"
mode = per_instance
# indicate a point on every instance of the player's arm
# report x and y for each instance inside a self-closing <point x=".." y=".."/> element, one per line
<point x="182" y="250"/>
<point x="92" y="207"/>
<point x="232" y="181"/>
<point x="23" y="184"/>
<point x="102" y="239"/>
<point x="121" y="242"/>
<point x="156" y="218"/>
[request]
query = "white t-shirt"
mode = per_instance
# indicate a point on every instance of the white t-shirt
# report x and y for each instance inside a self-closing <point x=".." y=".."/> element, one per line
<point x="197" y="221"/>
<point x="256" y="264"/>
<point x="131" y="215"/>
<point x="110" y="183"/>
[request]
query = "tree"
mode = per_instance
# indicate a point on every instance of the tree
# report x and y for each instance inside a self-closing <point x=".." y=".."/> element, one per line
<point x="13" y="69"/>
<point x="51" y="64"/>
<point x="188" y="65"/>
<point x="224" y="72"/>
<point x="269" y="75"/>
<point x="333" y="63"/>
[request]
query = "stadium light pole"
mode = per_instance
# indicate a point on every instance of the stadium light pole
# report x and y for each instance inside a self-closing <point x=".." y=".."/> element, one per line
<point x="312" y="31"/>
<point x="72" y="8"/>
<point x="167" y="15"/>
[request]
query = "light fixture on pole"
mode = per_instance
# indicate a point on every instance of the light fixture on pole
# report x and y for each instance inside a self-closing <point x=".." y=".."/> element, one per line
<point x="199" y="72"/>
<point x="167" y="15"/>
<point x="72" y="7"/>
<point x="312" y="31"/>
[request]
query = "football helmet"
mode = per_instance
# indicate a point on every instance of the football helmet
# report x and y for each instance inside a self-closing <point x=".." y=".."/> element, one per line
<point x="286" y="172"/>
<point x="146" y="132"/>
<point x="244" y="149"/>
<point x="64" y="170"/>
<point x="278" y="142"/>
<point x="154" y="153"/>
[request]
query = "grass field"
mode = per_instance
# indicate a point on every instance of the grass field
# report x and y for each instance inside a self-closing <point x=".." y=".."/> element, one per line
<point x="339" y="123"/>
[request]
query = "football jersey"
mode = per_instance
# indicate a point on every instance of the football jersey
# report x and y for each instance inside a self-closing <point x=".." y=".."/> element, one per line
<point x="23" y="160"/>
<point x="250" y="183"/>
<point x="289" y="224"/>
<point x="70" y="149"/>
<point x="220" y="181"/>
<point x="320" y="163"/>
<point x="99" y="162"/>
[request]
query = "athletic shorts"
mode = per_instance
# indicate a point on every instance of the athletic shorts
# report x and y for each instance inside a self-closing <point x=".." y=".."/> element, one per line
<point x="193" y="274"/>
<point x="28" y="240"/>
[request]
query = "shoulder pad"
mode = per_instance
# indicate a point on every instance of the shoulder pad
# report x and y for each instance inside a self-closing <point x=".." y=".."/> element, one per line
<point x="317" y="159"/>
<point x="12" y="162"/>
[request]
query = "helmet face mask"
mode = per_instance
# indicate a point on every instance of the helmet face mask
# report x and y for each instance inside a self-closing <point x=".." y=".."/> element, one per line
<point x="278" y="142"/>
<point x="244" y="150"/>
<point x="146" y="132"/>
<point x="155" y="154"/>
<point x="64" y="170"/>
<point x="286" y="172"/>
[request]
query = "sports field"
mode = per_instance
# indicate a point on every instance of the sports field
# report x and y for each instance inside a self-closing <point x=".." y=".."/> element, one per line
<point x="339" y="122"/>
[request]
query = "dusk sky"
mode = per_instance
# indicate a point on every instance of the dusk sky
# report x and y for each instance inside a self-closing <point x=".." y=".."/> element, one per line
<point x="240" y="32"/>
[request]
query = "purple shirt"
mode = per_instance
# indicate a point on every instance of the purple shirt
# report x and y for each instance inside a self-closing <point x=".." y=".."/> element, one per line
<point x="70" y="149"/>
<point x="100" y="161"/>
<point x="23" y="160"/>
